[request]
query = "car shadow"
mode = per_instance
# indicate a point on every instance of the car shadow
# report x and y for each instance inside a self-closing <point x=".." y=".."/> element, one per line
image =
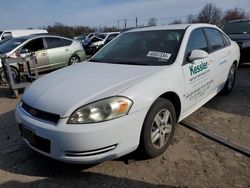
<point x="237" y="102"/>
<point x="86" y="179"/>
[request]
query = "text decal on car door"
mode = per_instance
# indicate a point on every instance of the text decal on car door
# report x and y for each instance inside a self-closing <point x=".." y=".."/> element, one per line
<point x="198" y="68"/>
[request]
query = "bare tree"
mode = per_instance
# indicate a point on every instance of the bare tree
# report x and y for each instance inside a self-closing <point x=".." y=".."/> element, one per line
<point x="176" y="22"/>
<point x="191" y="18"/>
<point x="234" y="14"/>
<point x="210" y="14"/>
<point x="152" y="21"/>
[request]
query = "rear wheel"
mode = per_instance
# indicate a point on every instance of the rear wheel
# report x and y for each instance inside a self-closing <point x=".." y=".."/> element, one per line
<point x="158" y="128"/>
<point x="229" y="85"/>
<point x="74" y="59"/>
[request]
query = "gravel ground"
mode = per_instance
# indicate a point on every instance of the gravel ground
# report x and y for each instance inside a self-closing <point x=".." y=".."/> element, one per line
<point x="191" y="160"/>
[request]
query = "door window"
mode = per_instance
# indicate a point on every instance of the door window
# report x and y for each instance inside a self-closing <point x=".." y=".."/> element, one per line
<point x="34" y="45"/>
<point x="55" y="42"/>
<point x="226" y="40"/>
<point x="197" y="40"/>
<point x="214" y="38"/>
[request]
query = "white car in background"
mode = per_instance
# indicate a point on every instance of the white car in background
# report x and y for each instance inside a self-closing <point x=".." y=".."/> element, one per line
<point x="131" y="93"/>
<point x="9" y="34"/>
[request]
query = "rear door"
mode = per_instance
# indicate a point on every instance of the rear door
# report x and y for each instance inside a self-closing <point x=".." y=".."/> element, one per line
<point x="59" y="51"/>
<point x="198" y="74"/>
<point x="37" y="46"/>
<point x="219" y="56"/>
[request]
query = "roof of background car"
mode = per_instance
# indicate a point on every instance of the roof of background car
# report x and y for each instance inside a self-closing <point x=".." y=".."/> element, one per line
<point x="170" y="27"/>
<point x="239" y="20"/>
<point x="27" y="37"/>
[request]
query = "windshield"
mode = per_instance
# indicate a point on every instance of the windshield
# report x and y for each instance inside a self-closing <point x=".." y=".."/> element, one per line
<point x="237" y="27"/>
<point x="159" y="47"/>
<point x="10" y="45"/>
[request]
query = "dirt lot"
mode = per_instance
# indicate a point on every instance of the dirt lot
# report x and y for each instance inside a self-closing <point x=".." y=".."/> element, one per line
<point x="190" y="161"/>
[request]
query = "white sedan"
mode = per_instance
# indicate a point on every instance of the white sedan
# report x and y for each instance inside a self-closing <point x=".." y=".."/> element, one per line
<point x="131" y="94"/>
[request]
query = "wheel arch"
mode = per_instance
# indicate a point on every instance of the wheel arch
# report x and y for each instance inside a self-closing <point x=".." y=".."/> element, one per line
<point x="175" y="99"/>
<point x="236" y="63"/>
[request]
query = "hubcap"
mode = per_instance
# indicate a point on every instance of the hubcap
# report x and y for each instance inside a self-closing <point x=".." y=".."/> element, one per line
<point x="231" y="77"/>
<point x="74" y="60"/>
<point x="161" y="128"/>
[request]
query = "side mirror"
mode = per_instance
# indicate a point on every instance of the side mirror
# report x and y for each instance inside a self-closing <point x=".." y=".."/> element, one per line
<point x="197" y="54"/>
<point x="24" y="51"/>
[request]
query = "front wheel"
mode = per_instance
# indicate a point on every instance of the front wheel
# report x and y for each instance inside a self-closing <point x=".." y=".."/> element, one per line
<point x="74" y="59"/>
<point x="229" y="85"/>
<point x="14" y="73"/>
<point x="158" y="128"/>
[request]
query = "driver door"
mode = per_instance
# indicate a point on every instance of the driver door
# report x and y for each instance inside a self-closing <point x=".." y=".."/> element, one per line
<point x="198" y="74"/>
<point x="37" y="46"/>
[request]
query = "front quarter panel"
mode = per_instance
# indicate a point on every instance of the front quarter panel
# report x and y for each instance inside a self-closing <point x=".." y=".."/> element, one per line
<point x="143" y="95"/>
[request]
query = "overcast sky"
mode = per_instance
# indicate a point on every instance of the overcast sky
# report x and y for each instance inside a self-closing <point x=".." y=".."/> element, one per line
<point x="18" y="14"/>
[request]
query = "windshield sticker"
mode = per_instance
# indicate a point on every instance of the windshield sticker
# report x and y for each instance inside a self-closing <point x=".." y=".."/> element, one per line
<point x="160" y="55"/>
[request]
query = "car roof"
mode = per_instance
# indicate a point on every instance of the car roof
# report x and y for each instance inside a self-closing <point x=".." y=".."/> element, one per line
<point x="171" y="27"/>
<point x="33" y="36"/>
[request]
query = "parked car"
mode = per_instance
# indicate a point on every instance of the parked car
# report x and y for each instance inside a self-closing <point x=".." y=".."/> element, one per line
<point x="96" y="46"/>
<point x="130" y="94"/>
<point x="86" y="36"/>
<point x="95" y="43"/>
<point x="239" y="31"/>
<point x="87" y="43"/>
<point x="52" y="52"/>
<point x="9" y="34"/>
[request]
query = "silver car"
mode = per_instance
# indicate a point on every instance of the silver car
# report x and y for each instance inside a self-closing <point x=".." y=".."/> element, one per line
<point x="52" y="52"/>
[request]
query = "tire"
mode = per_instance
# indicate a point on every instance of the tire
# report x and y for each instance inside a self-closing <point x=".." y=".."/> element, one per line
<point x="14" y="72"/>
<point x="74" y="59"/>
<point x="157" y="133"/>
<point x="229" y="85"/>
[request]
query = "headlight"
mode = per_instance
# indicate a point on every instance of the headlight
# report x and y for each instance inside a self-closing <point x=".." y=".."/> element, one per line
<point x="102" y="110"/>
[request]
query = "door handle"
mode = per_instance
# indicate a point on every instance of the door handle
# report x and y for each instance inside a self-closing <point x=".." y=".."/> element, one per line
<point x="43" y="54"/>
<point x="66" y="49"/>
<point x="229" y="52"/>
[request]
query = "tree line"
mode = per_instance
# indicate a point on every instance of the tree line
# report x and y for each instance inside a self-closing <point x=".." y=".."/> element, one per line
<point x="214" y="15"/>
<point x="208" y="14"/>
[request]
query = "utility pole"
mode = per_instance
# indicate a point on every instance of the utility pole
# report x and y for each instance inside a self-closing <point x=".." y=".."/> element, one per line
<point x="125" y="23"/>
<point x="118" y="24"/>
<point x="136" y="21"/>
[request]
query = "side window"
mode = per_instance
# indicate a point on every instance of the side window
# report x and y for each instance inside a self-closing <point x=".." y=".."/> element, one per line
<point x="54" y="42"/>
<point x="7" y="35"/>
<point x="34" y="45"/>
<point x="197" y="40"/>
<point x="111" y="37"/>
<point x="214" y="39"/>
<point x="225" y="39"/>
<point x="95" y="39"/>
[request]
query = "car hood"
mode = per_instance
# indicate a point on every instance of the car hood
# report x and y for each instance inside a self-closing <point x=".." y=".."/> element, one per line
<point x="65" y="90"/>
<point x="239" y="37"/>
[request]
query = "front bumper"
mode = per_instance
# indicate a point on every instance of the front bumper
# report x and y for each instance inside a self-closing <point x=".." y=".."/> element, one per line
<point x="87" y="143"/>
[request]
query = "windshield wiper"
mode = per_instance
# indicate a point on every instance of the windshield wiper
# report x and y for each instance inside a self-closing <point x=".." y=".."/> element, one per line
<point x="131" y="63"/>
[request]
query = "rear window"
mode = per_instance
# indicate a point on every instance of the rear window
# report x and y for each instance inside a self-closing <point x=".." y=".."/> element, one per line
<point x="214" y="39"/>
<point x="54" y="42"/>
<point x="237" y="27"/>
<point x="226" y="39"/>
